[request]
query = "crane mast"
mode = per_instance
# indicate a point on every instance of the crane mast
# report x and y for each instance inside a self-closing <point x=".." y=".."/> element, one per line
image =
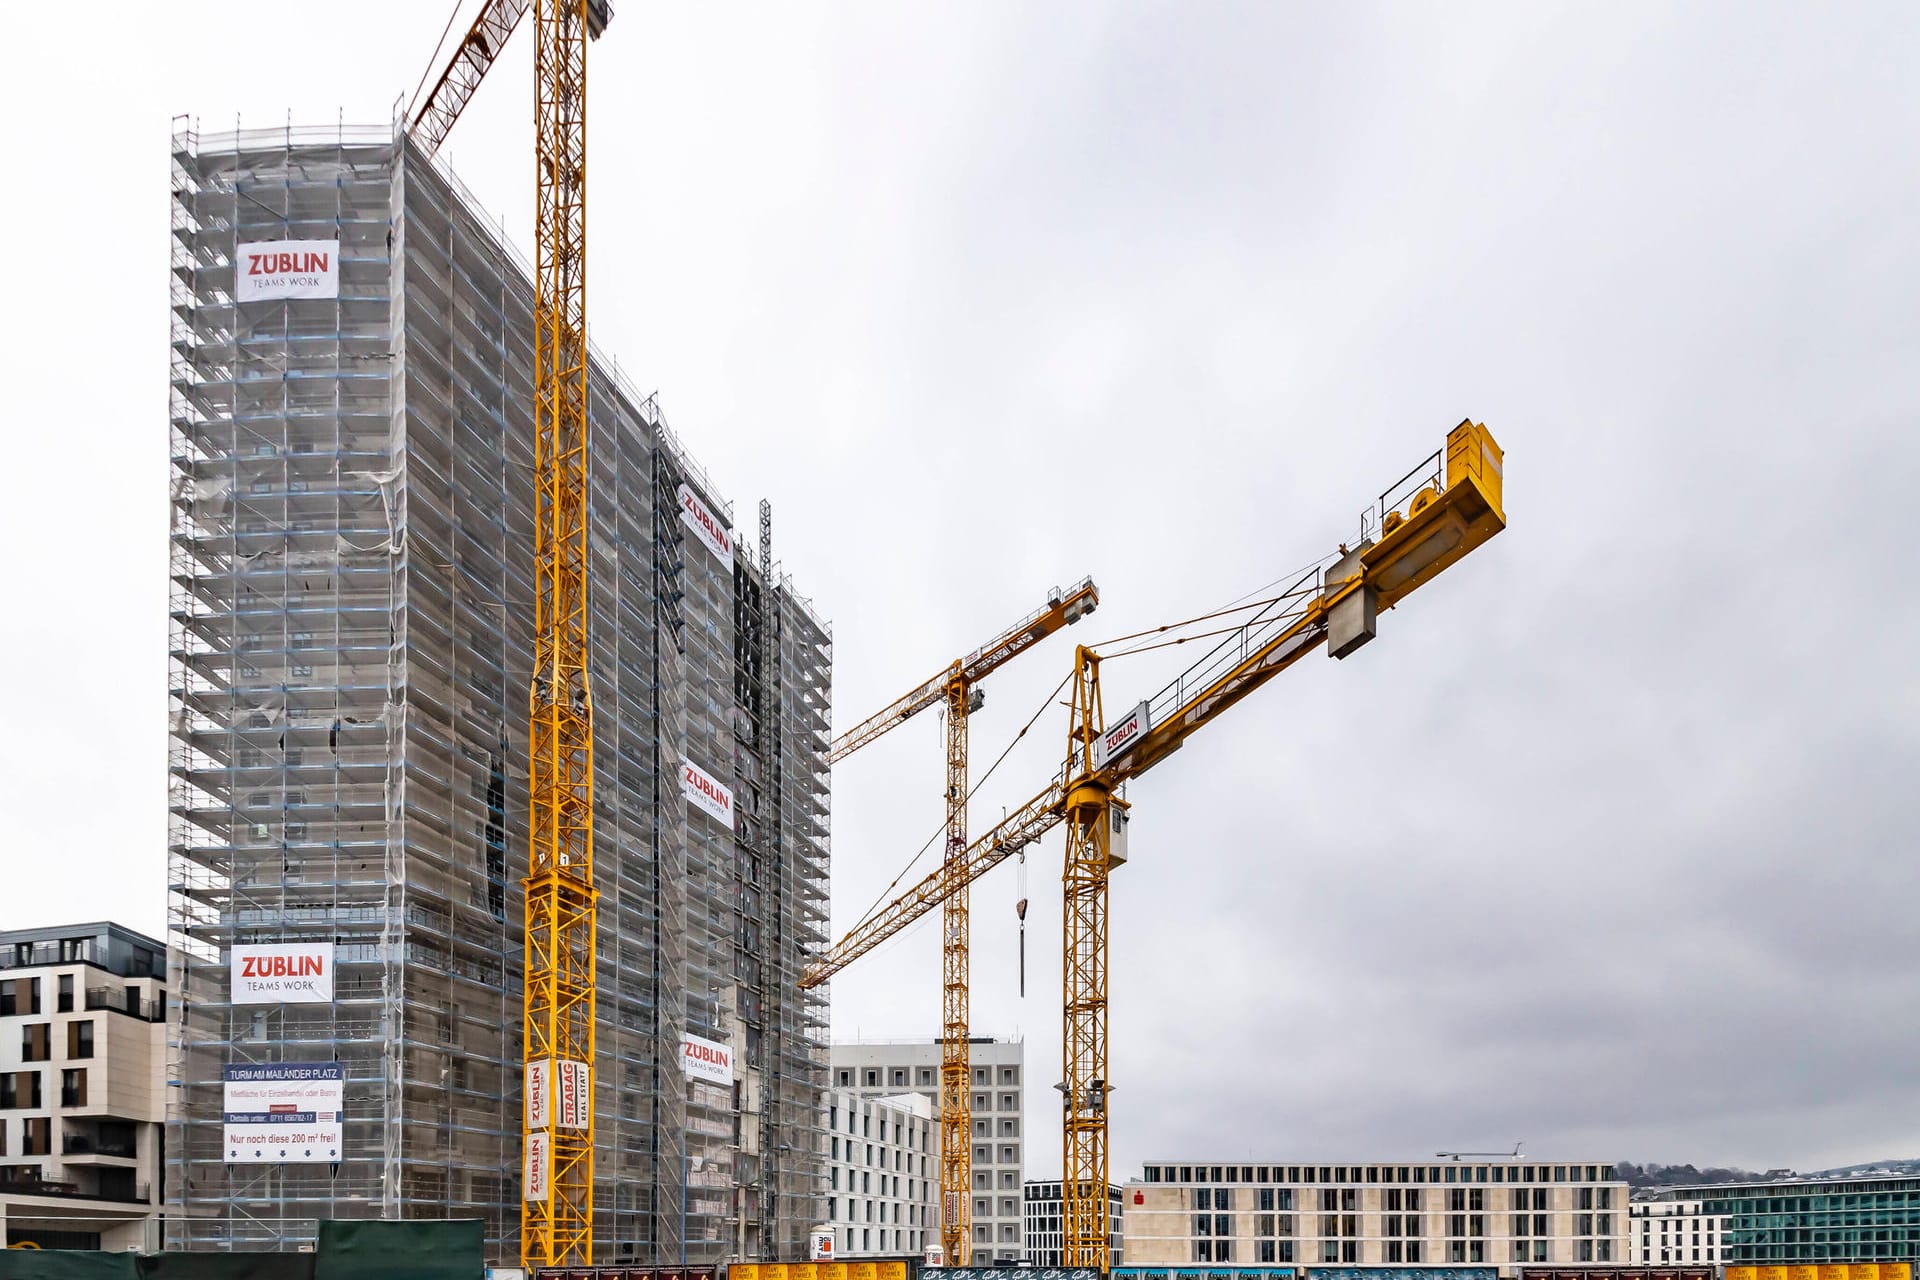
<point x="957" y="689"/>
<point x="1428" y="520"/>
<point x="557" y="1035"/>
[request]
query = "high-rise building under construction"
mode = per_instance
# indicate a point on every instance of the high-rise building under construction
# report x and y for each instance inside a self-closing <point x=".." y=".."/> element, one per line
<point x="352" y="578"/>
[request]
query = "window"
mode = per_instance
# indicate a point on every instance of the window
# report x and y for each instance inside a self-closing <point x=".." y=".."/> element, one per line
<point x="73" y="1087"/>
<point x="872" y="1078"/>
<point x="846" y="1079"/>
<point x="35" y="1042"/>
<point x="64" y="1002"/>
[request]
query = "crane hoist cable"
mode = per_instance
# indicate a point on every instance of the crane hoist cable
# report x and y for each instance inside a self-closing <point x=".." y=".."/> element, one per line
<point x="941" y="829"/>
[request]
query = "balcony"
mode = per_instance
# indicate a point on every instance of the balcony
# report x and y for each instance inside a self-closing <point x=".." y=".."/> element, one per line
<point x="84" y="1147"/>
<point x="28" y="1181"/>
<point x="123" y="1000"/>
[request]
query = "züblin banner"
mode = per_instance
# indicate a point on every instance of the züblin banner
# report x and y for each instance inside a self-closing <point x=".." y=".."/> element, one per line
<point x="283" y="973"/>
<point x="286" y="269"/>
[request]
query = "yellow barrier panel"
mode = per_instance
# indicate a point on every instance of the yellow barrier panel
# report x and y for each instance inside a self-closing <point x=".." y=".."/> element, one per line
<point x="861" y="1271"/>
<point x="751" y="1271"/>
<point x="1895" y="1271"/>
<point x="838" y="1271"/>
<point x="893" y="1271"/>
<point x="1773" y="1273"/>
<point x="1753" y="1273"/>
<point x="1863" y="1271"/>
<point x="773" y="1271"/>
<point x="1803" y="1271"/>
<point x="802" y="1271"/>
<point x="1833" y="1271"/>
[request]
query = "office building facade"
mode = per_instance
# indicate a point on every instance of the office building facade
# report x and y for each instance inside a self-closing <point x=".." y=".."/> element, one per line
<point x="1854" y="1219"/>
<point x="352" y="638"/>
<point x="1665" y="1233"/>
<point x="1436" y="1213"/>
<point x="881" y="1174"/>
<point x="82" y="1087"/>
<point x="1046" y="1237"/>
<point x="998" y="1104"/>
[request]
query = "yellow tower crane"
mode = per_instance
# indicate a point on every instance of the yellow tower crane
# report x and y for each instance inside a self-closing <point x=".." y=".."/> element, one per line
<point x="556" y="1213"/>
<point x="957" y="687"/>
<point x="1434" y="515"/>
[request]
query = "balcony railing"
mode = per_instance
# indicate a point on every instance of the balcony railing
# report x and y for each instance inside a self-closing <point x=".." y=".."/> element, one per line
<point x="34" y="1185"/>
<point x="79" y="1144"/>
<point x="121" y="1000"/>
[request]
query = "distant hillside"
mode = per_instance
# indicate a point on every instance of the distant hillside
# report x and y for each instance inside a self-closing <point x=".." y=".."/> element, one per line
<point x="1871" y="1167"/>
<point x="1686" y="1175"/>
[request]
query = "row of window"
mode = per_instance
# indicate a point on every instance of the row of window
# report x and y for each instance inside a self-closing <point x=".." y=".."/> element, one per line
<point x="1298" y="1173"/>
<point x="901" y="1160"/>
<point x="1333" y="1252"/>
<point x="20" y="1090"/>
<point x="860" y="1124"/>
<point x="1333" y="1225"/>
<point x="36" y="1040"/>
<point x="923" y="1078"/>
<point x="1397" y="1199"/>
<point x="874" y="1212"/>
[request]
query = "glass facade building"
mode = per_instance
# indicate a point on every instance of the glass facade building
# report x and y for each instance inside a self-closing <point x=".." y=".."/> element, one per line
<point x="1862" y="1219"/>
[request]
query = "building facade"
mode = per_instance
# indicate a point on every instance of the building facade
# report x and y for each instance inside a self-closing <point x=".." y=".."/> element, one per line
<point x="881" y="1171"/>
<point x="352" y="533"/>
<point x="1046" y="1239"/>
<point x="879" y="1068"/>
<point x="1435" y="1213"/>
<point x="1674" y="1233"/>
<point x="1853" y="1219"/>
<point x="82" y="1087"/>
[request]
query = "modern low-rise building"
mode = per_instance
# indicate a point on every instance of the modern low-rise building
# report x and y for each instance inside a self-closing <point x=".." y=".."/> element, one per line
<point x="881" y="1165"/>
<point x="82" y="1086"/>
<point x="1046" y="1239"/>
<point x="880" y="1068"/>
<point x="1506" y="1214"/>
<point x="1663" y="1233"/>
<point x="1871" y="1218"/>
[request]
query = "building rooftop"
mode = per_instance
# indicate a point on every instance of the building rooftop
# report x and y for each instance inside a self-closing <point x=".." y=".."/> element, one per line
<point x="119" y="950"/>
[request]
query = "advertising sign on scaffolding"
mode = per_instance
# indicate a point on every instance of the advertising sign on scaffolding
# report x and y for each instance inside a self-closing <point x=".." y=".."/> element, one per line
<point x="707" y="526"/>
<point x="282" y="1112"/>
<point x="707" y="1060"/>
<point x="286" y="269"/>
<point x="539" y="1093"/>
<point x="820" y="1245"/>
<point x="533" y="1178"/>
<point x="284" y="973"/>
<point x="576" y="1095"/>
<point x="707" y="792"/>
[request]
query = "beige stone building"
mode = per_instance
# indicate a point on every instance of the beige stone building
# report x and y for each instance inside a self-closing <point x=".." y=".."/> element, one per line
<point x="1506" y="1213"/>
<point x="82" y="1086"/>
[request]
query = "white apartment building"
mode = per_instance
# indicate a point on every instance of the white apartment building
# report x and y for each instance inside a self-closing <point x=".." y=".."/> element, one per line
<point x="1046" y="1238"/>
<point x="82" y="1086"/>
<point x="881" y="1168"/>
<point x="880" y="1068"/>
<point x="1507" y="1214"/>
<point x="1675" y="1232"/>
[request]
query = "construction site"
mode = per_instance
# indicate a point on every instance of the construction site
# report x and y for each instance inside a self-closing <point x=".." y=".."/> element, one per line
<point x="499" y="775"/>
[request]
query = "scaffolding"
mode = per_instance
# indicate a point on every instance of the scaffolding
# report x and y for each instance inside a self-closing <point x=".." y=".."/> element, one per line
<point x="351" y="560"/>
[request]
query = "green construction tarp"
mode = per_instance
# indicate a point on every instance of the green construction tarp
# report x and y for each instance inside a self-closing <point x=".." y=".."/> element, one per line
<point x="67" y="1264"/>
<point x="227" y="1266"/>
<point x="376" y="1250"/>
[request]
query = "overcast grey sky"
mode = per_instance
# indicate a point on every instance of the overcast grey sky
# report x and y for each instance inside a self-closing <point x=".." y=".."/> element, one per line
<point x="1607" y="845"/>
